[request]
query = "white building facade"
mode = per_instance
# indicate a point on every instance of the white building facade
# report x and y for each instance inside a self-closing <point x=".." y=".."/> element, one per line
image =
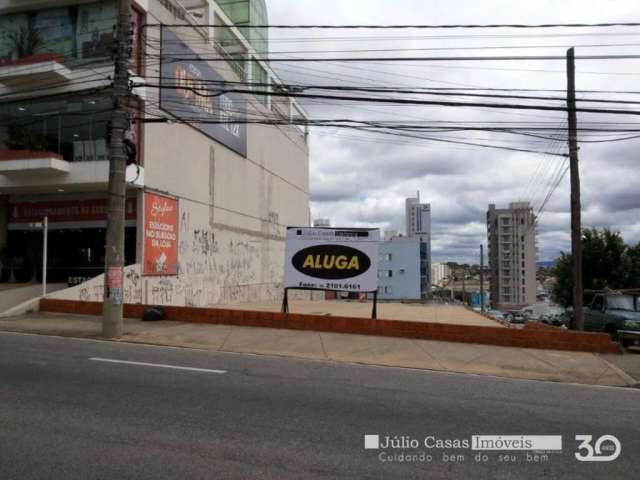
<point x="440" y="272"/>
<point x="418" y="225"/>
<point x="233" y="187"/>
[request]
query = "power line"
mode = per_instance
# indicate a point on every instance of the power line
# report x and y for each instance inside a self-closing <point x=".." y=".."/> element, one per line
<point x="419" y="26"/>
<point x="418" y="59"/>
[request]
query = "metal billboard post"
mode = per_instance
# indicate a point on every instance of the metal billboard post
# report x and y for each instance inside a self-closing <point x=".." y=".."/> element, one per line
<point x="45" y="233"/>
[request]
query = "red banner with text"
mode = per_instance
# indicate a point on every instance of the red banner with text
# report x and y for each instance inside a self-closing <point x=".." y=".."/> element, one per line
<point x="160" y="235"/>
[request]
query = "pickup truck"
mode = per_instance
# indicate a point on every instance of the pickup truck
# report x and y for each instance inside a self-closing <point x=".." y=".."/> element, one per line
<point x="616" y="314"/>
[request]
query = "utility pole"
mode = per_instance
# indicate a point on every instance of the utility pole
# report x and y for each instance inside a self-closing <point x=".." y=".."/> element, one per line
<point x="464" y="289"/>
<point x="481" y="278"/>
<point x="112" y="324"/>
<point x="576" y="233"/>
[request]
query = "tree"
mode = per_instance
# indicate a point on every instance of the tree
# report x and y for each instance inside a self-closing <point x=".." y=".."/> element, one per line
<point x="607" y="262"/>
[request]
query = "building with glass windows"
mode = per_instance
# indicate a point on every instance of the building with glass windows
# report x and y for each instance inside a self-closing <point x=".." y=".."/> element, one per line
<point x="235" y="185"/>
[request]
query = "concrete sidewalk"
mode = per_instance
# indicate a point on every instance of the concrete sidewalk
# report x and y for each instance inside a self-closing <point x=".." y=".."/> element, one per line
<point x="578" y="367"/>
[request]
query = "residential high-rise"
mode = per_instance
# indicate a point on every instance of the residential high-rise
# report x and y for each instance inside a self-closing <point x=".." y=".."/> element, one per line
<point x="440" y="272"/>
<point x="511" y="234"/>
<point x="417" y="217"/>
<point x="418" y="224"/>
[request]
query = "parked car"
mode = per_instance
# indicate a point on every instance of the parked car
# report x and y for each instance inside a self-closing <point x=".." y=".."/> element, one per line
<point x="514" y="317"/>
<point x="615" y="314"/>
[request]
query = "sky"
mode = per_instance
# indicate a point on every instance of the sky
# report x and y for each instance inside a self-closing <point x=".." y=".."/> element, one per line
<point x="361" y="179"/>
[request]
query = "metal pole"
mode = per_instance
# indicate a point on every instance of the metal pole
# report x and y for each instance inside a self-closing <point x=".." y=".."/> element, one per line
<point x="45" y="235"/>
<point x="481" y="278"/>
<point x="374" y="311"/>
<point x="576" y="234"/>
<point x="112" y="324"/>
<point x="285" y="301"/>
<point x="464" y="289"/>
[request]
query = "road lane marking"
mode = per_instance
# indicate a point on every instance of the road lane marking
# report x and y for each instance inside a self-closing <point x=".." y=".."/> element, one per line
<point x="157" y="365"/>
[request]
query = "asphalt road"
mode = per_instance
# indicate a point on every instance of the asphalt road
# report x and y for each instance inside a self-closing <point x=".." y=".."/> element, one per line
<point x="65" y="416"/>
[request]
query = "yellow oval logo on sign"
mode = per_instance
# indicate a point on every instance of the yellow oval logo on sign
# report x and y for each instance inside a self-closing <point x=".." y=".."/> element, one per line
<point x="332" y="262"/>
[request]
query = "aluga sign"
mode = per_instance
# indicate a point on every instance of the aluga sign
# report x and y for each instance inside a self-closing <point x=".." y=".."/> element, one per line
<point x="343" y="259"/>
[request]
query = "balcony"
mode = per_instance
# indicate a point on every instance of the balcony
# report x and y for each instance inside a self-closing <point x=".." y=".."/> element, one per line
<point x="38" y="69"/>
<point x="16" y="162"/>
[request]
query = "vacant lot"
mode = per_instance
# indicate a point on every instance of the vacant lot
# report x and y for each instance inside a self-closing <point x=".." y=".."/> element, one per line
<point x="391" y="311"/>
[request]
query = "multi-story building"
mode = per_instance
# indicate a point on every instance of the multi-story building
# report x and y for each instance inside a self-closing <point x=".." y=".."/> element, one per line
<point x="389" y="234"/>
<point x="418" y="224"/>
<point x="417" y="217"/>
<point x="322" y="222"/>
<point x="440" y="272"/>
<point x="226" y="188"/>
<point x="511" y="236"/>
<point x="403" y="269"/>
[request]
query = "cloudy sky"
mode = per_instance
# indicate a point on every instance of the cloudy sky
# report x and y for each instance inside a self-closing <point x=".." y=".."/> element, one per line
<point x="361" y="179"/>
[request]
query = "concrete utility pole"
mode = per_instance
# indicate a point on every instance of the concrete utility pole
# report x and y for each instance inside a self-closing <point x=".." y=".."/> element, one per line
<point x="464" y="289"/>
<point x="576" y="233"/>
<point x="112" y="324"/>
<point x="481" y="278"/>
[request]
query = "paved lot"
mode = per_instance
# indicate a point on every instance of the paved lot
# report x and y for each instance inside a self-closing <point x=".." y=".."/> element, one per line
<point x="579" y="367"/>
<point x="66" y="416"/>
<point x="392" y="311"/>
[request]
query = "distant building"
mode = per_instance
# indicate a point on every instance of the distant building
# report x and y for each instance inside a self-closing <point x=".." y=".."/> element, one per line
<point x="512" y="255"/>
<point x="389" y="234"/>
<point x="403" y="269"/>
<point x="322" y="222"/>
<point x="417" y="217"/>
<point x="439" y="271"/>
<point x="418" y="224"/>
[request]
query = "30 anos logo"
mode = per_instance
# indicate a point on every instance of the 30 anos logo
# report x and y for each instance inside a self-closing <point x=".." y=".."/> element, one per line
<point x="331" y="262"/>
<point x="606" y="449"/>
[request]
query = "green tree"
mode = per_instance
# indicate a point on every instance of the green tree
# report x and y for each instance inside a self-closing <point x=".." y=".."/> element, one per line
<point x="607" y="262"/>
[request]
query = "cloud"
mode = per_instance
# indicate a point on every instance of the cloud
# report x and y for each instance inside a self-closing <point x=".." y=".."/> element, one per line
<point x="361" y="178"/>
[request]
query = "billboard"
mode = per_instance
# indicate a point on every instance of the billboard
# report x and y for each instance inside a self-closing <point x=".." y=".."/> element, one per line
<point x="344" y="259"/>
<point x="160" y="235"/>
<point x="185" y="82"/>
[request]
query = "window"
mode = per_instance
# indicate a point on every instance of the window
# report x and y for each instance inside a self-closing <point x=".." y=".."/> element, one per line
<point x="79" y="34"/>
<point x="388" y="289"/>
<point x="522" y="238"/>
<point x="74" y="126"/>
<point x="522" y="221"/>
<point x="261" y="79"/>
<point x="388" y="257"/>
<point x="401" y="271"/>
<point x="523" y="290"/>
<point x="389" y="273"/>
<point x="523" y="265"/>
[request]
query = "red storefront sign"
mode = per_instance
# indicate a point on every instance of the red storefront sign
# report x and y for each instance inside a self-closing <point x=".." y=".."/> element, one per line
<point x="66" y="211"/>
<point x="160" y="235"/>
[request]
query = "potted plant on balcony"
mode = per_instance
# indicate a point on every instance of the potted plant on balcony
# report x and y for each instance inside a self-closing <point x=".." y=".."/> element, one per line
<point x="21" y="140"/>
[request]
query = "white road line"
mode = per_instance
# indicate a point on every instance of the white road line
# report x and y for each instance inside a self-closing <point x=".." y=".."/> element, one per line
<point x="157" y="365"/>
